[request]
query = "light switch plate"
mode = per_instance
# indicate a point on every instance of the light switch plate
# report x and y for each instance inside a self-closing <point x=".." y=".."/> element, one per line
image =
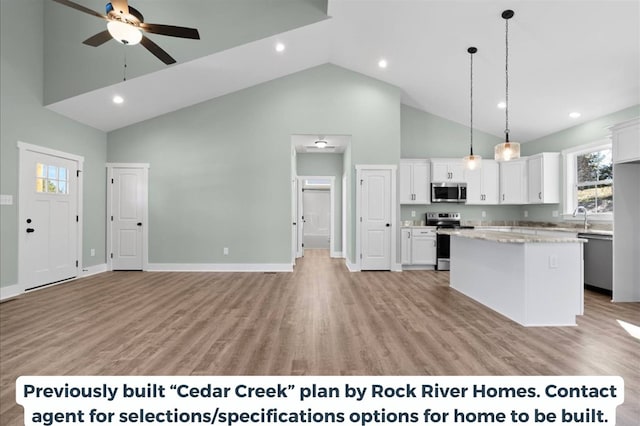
<point x="6" y="200"/>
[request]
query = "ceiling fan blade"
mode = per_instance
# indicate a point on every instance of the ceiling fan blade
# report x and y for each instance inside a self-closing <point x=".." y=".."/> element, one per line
<point x="120" y="6"/>
<point x="98" y="39"/>
<point x="157" y="51"/>
<point x="81" y="8"/>
<point x="171" y="30"/>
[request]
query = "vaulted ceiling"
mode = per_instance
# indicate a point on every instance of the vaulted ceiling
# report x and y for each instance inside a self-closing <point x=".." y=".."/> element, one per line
<point x="564" y="56"/>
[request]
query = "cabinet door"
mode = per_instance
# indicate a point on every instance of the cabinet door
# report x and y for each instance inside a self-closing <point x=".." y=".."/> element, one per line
<point x="406" y="190"/>
<point x="456" y="171"/>
<point x="421" y="182"/>
<point x="405" y="235"/>
<point x="535" y="180"/>
<point x="513" y="182"/>
<point x="626" y="143"/>
<point x="439" y="171"/>
<point x="474" y="185"/>
<point x="423" y="251"/>
<point x="490" y="182"/>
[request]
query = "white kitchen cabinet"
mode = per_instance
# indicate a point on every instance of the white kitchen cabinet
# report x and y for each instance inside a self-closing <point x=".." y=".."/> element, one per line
<point x="483" y="183"/>
<point x="544" y="178"/>
<point x="513" y="182"/>
<point x="625" y="139"/>
<point x="447" y="170"/>
<point x="414" y="181"/>
<point x="405" y="250"/>
<point x="418" y="246"/>
<point x="423" y="247"/>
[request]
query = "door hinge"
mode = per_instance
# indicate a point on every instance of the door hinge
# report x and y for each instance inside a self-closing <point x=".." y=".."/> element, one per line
<point x="77" y="173"/>
<point x="111" y="218"/>
<point x="302" y="244"/>
<point x="112" y="255"/>
<point x="76" y="263"/>
<point x="112" y="180"/>
<point x="360" y="218"/>
<point x="360" y="255"/>
<point x="361" y="181"/>
<point x="77" y="218"/>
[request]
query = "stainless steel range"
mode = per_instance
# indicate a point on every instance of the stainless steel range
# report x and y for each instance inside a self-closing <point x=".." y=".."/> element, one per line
<point x="444" y="220"/>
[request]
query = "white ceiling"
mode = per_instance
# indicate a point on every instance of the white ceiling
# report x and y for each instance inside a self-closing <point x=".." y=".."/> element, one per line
<point x="564" y="56"/>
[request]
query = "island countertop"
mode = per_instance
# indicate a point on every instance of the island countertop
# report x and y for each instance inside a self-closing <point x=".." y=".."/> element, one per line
<point x="508" y="237"/>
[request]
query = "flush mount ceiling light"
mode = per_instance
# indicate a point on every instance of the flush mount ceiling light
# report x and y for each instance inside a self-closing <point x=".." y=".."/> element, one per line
<point x="117" y="99"/>
<point x="280" y="47"/>
<point x="507" y="150"/>
<point x="321" y="143"/>
<point x="471" y="161"/>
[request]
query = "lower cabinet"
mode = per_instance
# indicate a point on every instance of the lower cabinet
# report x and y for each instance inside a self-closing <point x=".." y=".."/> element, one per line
<point x="418" y="246"/>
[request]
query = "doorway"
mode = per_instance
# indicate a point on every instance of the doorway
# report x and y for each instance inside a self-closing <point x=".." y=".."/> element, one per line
<point x="316" y="214"/>
<point x="127" y="217"/>
<point x="49" y="214"/>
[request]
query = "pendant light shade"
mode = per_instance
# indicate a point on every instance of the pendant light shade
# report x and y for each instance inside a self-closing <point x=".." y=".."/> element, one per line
<point x="507" y="150"/>
<point x="471" y="161"/>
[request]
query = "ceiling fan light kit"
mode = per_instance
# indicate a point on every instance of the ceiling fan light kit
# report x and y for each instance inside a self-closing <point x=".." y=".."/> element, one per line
<point x="507" y="150"/>
<point x="471" y="161"/>
<point x="126" y="25"/>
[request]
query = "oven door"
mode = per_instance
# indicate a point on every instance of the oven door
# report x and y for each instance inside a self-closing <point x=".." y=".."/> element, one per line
<point x="444" y="193"/>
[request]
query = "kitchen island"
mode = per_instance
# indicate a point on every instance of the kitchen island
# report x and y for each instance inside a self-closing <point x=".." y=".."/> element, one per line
<point x="534" y="280"/>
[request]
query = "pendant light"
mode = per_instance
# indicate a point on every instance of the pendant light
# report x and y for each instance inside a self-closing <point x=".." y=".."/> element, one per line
<point x="507" y="150"/>
<point x="471" y="161"/>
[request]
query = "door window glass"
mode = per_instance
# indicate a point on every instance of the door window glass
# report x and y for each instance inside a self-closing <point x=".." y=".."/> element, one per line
<point x="52" y="179"/>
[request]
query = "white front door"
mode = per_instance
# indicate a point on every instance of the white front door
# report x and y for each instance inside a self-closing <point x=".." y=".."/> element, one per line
<point x="49" y="218"/>
<point x="128" y="205"/>
<point x="376" y="219"/>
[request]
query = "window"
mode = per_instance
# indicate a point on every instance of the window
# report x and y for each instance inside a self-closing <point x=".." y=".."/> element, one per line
<point x="588" y="177"/>
<point x="52" y="179"/>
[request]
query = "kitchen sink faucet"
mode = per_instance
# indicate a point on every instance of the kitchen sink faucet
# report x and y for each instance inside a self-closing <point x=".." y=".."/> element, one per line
<point x="581" y="209"/>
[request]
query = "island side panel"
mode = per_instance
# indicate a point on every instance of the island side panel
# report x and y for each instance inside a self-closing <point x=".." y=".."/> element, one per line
<point x="491" y="273"/>
<point x="554" y="293"/>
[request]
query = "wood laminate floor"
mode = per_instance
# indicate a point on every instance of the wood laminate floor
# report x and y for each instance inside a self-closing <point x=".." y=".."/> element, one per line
<point x="318" y="320"/>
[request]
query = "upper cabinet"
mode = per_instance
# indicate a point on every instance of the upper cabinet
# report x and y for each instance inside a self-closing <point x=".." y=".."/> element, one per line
<point x="414" y="181"/>
<point x="544" y="178"/>
<point x="483" y="183"/>
<point x="513" y="182"/>
<point x="626" y="141"/>
<point x="447" y="170"/>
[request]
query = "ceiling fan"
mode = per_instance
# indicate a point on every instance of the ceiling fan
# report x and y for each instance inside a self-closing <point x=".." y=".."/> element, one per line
<point x="126" y="25"/>
<point x="321" y="143"/>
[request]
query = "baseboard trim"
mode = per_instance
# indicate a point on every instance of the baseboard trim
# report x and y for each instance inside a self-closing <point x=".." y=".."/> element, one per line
<point x="352" y="267"/>
<point x="10" y="291"/>
<point x="220" y="267"/>
<point x="336" y="254"/>
<point x="92" y="270"/>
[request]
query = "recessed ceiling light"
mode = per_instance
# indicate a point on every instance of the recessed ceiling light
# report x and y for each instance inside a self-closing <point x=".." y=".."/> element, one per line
<point x="280" y="47"/>
<point x="502" y="105"/>
<point x="575" y="115"/>
<point x="117" y="99"/>
<point x="382" y="63"/>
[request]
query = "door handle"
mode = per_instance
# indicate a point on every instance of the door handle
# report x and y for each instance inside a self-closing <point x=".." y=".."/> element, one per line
<point x="139" y="224"/>
<point x="30" y="230"/>
<point x="387" y="225"/>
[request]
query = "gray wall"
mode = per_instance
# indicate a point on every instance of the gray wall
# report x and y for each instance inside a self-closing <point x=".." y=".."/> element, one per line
<point x="326" y="165"/>
<point x="425" y="135"/>
<point x="220" y="170"/>
<point x="585" y="133"/>
<point x="22" y="118"/>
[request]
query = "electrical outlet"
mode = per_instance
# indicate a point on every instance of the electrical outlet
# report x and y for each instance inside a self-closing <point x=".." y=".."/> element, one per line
<point x="526" y="213"/>
<point x="484" y="214"/>
<point x="413" y="213"/>
<point x="225" y="251"/>
<point x="93" y="252"/>
<point x="553" y="262"/>
<point x="554" y="213"/>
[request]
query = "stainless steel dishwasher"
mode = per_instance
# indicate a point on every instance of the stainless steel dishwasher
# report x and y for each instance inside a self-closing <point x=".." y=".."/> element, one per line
<point x="598" y="261"/>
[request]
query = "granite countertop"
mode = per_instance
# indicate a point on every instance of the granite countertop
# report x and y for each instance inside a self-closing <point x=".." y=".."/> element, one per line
<point x="579" y="230"/>
<point x="508" y="237"/>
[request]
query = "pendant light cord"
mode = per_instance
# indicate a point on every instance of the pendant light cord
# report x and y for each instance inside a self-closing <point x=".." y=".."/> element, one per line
<point x="506" y="72"/>
<point x="471" y="108"/>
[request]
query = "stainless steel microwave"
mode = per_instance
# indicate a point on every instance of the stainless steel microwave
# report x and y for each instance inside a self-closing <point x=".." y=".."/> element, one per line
<point x="446" y="192"/>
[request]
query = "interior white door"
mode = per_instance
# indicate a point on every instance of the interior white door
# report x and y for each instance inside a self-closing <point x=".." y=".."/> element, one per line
<point x="48" y="219"/>
<point x="317" y="218"/>
<point x="376" y="219"/>
<point x="127" y="213"/>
